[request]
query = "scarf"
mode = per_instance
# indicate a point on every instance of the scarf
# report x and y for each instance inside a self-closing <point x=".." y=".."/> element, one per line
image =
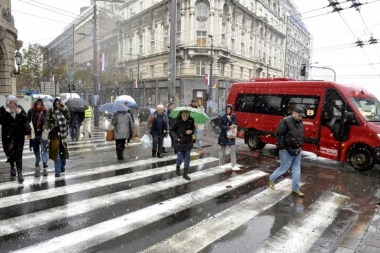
<point x="60" y="122"/>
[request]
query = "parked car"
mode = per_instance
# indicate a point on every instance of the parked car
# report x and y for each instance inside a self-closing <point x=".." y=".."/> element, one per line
<point x="144" y="113"/>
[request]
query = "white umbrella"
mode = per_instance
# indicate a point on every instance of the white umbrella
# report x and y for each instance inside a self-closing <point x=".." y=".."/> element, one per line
<point x="126" y="98"/>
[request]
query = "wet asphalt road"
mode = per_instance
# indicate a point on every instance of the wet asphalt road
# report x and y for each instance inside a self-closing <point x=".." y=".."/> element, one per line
<point x="139" y="204"/>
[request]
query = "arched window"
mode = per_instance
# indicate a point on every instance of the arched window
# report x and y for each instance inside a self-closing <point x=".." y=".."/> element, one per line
<point x="202" y="10"/>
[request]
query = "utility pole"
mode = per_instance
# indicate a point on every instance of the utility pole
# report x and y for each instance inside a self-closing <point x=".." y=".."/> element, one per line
<point x="96" y="71"/>
<point x="210" y="77"/>
<point x="138" y="78"/>
<point x="173" y="48"/>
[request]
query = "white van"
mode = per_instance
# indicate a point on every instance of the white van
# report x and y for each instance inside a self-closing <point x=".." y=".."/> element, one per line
<point x="66" y="96"/>
<point x="42" y="96"/>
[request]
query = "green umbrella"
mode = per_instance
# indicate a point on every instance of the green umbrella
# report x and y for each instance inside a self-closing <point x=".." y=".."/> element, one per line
<point x="198" y="116"/>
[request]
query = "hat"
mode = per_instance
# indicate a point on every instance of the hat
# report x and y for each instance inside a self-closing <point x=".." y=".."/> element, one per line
<point x="300" y="111"/>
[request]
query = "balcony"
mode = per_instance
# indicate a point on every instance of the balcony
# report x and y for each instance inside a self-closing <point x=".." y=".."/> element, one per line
<point x="199" y="52"/>
<point x="223" y="56"/>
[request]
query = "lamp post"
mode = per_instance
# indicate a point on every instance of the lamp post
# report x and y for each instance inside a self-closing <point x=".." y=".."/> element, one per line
<point x="210" y="77"/>
<point x="96" y="71"/>
<point x="18" y="58"/>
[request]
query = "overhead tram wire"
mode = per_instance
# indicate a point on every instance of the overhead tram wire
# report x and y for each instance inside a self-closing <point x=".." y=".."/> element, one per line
<point x="76" y="15"/>
<point x="40" y="17"/>
<point x="46" y="9"/>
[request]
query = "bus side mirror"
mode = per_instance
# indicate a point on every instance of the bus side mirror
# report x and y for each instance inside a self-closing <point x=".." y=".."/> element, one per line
<point x="350" y="118"/>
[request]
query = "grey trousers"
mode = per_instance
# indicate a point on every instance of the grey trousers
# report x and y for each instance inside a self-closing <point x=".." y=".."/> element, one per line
<point x="222" y="153"/>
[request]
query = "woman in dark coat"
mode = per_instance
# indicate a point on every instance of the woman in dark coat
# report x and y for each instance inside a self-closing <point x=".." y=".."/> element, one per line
<point x="13" y="119"/>
<point x="227" y="121"/>
<point x="37" y="115"/>
<point x="181" y="132"/>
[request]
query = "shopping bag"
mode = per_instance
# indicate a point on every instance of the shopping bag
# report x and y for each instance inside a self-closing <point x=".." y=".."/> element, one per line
<point x="45" y="135"/>
<point x="167" y="142"/>
<point x="32" y="133"/>
<point x="146" y="141"/>
<point x="231" y="133"/>
<point x="110" y="135"/>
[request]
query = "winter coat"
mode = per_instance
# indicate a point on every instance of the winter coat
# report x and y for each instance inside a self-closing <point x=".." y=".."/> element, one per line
<point x="224" y="125"/>
<point x="54" y="143"/>
<point x="178" y="131"/>
<point x="153" y="123"/>
<point x="123" y="125"/>
<point x="12" y="130"/>
<point x="289" y="133"/>
<point x="171" y="120"/>
<point x="35" y="115"/>
<point x="77" y="118"/>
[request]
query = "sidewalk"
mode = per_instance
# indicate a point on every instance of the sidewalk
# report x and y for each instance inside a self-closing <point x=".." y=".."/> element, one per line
<point x="364" y="237"/>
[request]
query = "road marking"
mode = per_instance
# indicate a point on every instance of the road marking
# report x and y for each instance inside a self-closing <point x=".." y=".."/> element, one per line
<point x="54" y="192"/>
<point x="40" y="218"/>
<point x="301" y="233"/>
<point x="199" y="236"/>
<point x="94" y="235"/>
<point x="83" y="173"/>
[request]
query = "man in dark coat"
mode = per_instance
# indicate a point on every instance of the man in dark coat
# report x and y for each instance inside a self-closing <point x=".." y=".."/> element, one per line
<point x="289" y="137"/>
<point x="181" y="132"/>
<point x="158" y="127"/>
<point x="13" y="119"/>
<point x="77" y="119"/>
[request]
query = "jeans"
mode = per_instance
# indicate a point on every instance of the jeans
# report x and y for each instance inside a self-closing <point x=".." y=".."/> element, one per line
<point x="40" y="150"/>
<point x="60" y="162"/>
<point x="197" y="140"/>
<point x="181" y="155"/>
<point x="75" y="132"/>
<point x="222" y="151"/>
<point x="287" y="160"/>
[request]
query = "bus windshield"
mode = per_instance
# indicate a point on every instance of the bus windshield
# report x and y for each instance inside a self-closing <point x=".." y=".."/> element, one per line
<point x="368" y="107"/>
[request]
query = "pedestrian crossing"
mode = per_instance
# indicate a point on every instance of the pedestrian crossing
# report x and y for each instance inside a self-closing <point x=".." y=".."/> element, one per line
<point x="142" y="206"/>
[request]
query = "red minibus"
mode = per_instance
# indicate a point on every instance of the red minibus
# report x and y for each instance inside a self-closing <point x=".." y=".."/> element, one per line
<point x="342" y="122"/>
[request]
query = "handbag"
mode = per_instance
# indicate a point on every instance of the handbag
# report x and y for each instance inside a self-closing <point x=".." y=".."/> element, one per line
<point x="110" y="136"/>
<point x="293" y="151"/>
<point x="231" y="133"/>
<point x="167" y="143"/>
<point x="32" y="133"/>
<point x="45" y="135"/>
<point x="27" y="129"/>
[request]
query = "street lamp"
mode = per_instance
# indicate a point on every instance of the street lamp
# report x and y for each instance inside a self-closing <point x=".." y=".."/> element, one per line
<point x="210" y="77"/>
<point x="18" y="58"/>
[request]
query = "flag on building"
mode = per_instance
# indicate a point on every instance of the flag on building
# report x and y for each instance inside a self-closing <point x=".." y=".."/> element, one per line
<point x="51" y="78"/>
<point x="101" y="61"/>
<point x="206" y="80"/>
<point x="216" y="84"/>
<point x="135" y="83"/>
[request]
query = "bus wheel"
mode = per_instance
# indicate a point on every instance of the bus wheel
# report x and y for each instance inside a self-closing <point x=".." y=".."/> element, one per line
<point x="361" y="158"/>
<point x="254" y="142"/>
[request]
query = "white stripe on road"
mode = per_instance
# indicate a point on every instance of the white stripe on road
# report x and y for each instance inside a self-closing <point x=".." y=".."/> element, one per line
<point x="108" y="230"/>
<point x="199" y="236"/>
<point x="40" y="218"/>
<point x="54" y="192"/>
<point x="84" y="173"/>
<point x="301" y="233"/>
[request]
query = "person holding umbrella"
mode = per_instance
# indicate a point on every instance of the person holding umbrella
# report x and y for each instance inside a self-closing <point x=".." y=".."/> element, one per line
<point x="123" y="125"/>
<point x="158" y="127"/>
<point x="77" y="119"/>
<point x="56" y="123"/>
<point x="37" y="115"/>
<point x="181" y="132"/>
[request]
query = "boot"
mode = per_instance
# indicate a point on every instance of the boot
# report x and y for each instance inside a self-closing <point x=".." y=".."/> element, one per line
<point x="177" y="171"/>
<point x="19" y="171"/>
<point x="185" y="174"/>
<point x="37" y="172"/>
<point x="45" y="173"/>
<point x="13" y="171"/>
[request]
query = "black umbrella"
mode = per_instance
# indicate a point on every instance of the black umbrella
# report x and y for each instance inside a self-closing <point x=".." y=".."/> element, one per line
<point x="77" y="104"/>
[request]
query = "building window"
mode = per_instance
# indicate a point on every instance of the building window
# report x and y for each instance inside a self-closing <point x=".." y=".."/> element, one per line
<point x="241" y="73"/>
<point x="142" y="5"/>
<point x="178" y="70"/>
<point x="274" y="61"/>
<point x="166" y="69"/>
<point x="264" y="58"/>
<point x="232" y="44"/>
<point x="130" y="48"/>
<point x="270" y="61"/>
<point x="201" y="38"/>
<point x="222" y="67"/>
<point x="141" y="49"/>
<point x="201" y="10"/>
<point x="131" y="11"/>
<point x="250" y="51"/>
<point x="151" y="71"/>
<point x="231" y="71"/>
<point x="250" y="74"/>
<point x="201" y="68"/>
<point x="242" y="46"/>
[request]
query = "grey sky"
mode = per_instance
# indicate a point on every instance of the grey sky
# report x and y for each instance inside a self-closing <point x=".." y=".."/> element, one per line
<point x="352" y="64"/>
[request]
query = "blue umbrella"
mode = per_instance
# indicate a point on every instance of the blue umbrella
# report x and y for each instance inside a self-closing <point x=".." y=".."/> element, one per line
<point x="114" y="107"/>
<point x="126" y="99"/>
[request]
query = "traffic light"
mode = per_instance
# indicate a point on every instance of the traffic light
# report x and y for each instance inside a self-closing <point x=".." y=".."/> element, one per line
<point x="303" y="70"/>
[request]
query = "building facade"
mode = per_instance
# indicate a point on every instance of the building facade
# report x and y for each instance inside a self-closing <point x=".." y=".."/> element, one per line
<point x="8" y="47"/>
<point x="248" y="39"/>
<point x="298" y="44"/>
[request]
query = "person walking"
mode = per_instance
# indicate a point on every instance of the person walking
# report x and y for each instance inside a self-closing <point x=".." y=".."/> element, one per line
<point x="181" y="132"/>
<point x="131" y="129"/>
<point x="158" y="127"/>
<point x="37" y="115"/>
<point x="289" y="137"/>
<point x="227" y="121"/>
<point x="56" y="122"/>
<point x="194" y="104"/>
<point x="13" y="120"/>
<point x="123" y="125"/>
<point x="169" y="109"/>
<point x="77" y="119"/>
<point x="87" y="122"/>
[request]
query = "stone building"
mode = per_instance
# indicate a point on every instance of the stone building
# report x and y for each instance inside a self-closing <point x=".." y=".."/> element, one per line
<point x="8" y="47"/>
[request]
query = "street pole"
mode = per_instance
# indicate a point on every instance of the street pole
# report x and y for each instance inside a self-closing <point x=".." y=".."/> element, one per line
<point x="173" y="47"/>
<point x="96" y="71"/>
<point x="138" y="78"/>
<point x="210" y="77"/>
<point x="324" y="68"/>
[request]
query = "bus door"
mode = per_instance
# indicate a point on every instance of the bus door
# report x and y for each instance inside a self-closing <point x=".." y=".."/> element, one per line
<point x="332" y="126"/>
